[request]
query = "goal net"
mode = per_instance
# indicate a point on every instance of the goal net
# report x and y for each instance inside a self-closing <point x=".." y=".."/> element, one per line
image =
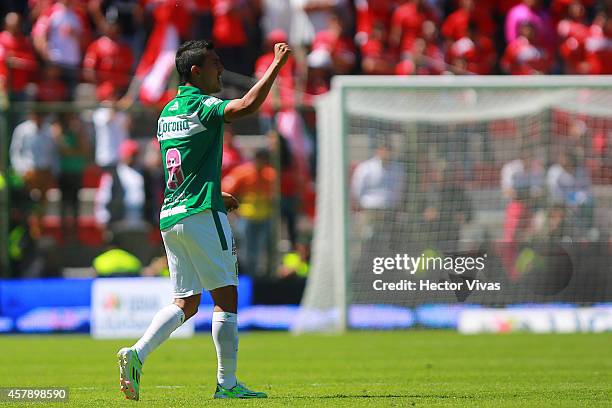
<point x="459" y="191"/>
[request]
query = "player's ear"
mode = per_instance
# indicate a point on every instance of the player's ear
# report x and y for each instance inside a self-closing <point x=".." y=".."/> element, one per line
<point x="195" y="71"/>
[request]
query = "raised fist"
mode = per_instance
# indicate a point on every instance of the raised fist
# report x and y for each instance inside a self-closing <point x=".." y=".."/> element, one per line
<point x="281" y="53"/>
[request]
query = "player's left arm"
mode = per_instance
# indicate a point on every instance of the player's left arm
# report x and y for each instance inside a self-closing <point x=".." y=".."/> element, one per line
<point x="251" y="102"/>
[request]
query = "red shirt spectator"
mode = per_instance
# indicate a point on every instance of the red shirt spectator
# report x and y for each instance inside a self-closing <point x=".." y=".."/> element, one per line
<point x="228" y="29"/>
<point x="107" y="59"/>
<point x="524" y="56"/>
<point x="407" y="23"/>
<point x="170" y="12"/>
<point x="377" y="59"/>
<point x="456" y="24"/>
<point x="598" y="48"/>
<point x="370" y="13"/>
<point x="425" y="54"/>
<point x="51" y="88"/>
<point x="340" y="47"/>
<point x="18" y="49"/>
<point x="561" y="8"/>
<point x="472" y="54"/>
<point x="282" y="95"/>
<point x="573" y="33"/>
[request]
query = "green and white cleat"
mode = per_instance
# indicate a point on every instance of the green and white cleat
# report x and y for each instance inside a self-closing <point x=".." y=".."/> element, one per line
<point x="130" y="369"/>
<point x="238" y="391"/>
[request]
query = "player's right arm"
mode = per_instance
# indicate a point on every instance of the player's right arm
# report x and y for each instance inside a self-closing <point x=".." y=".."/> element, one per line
<point x="253" y="99"/>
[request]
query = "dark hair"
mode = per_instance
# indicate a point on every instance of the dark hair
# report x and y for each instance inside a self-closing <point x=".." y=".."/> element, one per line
<point x="191" y="53"/>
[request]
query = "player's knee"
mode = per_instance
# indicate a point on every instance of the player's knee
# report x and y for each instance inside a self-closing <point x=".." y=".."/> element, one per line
<point x="189" y="305"/>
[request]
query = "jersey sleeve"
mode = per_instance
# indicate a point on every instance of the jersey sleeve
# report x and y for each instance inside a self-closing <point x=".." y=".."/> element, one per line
<point x="212" y="110"/>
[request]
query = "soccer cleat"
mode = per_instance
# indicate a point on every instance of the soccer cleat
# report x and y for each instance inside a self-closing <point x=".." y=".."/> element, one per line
<point x="238" y="391"/>
<point x="130" y="369"/>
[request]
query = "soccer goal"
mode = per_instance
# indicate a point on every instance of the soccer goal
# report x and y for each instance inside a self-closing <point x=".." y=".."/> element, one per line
<point x="417" y="175"/>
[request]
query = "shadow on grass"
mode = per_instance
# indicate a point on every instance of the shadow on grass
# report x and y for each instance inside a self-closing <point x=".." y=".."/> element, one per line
<point x="339" y="396"/>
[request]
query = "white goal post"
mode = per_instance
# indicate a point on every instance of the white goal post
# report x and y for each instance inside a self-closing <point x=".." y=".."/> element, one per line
<point x="469" y="124"/>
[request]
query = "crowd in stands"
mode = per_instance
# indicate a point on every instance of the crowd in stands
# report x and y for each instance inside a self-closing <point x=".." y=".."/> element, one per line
<point x="117" y="44"/>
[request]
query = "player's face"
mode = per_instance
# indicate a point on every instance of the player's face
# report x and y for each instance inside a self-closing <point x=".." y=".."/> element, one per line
<point x="210" y="73"/>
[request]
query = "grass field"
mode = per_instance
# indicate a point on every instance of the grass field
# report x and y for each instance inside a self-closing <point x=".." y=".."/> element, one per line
<point x="408" y="368"/>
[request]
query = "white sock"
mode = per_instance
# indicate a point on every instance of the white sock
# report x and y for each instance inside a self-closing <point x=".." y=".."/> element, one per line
<point x="225" y="336"/>
<point x="163" y="324"/>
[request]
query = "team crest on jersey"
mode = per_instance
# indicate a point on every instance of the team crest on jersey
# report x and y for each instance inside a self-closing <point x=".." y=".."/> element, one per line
<point x="172" y="127"/>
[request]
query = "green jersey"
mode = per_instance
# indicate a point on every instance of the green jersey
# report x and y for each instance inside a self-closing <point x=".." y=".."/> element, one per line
<point x="190" y="134"/>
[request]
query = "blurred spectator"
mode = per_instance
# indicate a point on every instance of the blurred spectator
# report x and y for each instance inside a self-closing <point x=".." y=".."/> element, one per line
<point x="229" y="34"/>
<point x="34" y="158"/>
<point x="253" y="185"/>
<point x="598" y="48"/>
<point x="425" y="56"/>
<point x="472" y="54"/>
<point x="202" y="25"/>
<point x="232" y="155"/>
<point x="129" y="14"/>
<point x="50" y="86"/>
<point x="456" y="24"/>
<point x="377" y="58"/>
<point x="568" y="182"/>
<point x="121" y="195"/>
<point x="18" y="62"/>
<point x="73" y="147"/>
<point x="59" y="36"/>
<point x="111" y="127"/>
<point x="525" y="173"/>
<point x="369" y="14"/>
<point x="379" y="182"/>
<point x="518" y="227"/>
<point x="310" y="17"/>
<point x="340" y="47"/>
<point x="107" y="59"/>
<point x="319" y="75"/>
<point x="447" y="207"/>
<point x="525" y="55"/>
<point x="407" y="23"/>
<point x="282" y="94"/>
<point x="531" y="11"/>
<point x="573" y="32"/>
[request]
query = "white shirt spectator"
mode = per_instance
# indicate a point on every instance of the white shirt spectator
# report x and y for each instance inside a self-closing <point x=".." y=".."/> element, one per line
<point x="378" y="186"/>
<point x="63" y="29"/>
<point x="568" y="188"/>
<point x="112" y="128"/>
<point x="132" y="183"/>
<point x="33" y="148"/>
<point x="514" y="176"/>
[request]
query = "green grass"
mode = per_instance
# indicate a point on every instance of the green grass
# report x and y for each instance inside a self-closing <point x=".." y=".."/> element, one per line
<point x="408" y="368"/>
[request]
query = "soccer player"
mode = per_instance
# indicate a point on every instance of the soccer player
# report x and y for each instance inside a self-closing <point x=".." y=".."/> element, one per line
<point x="193" y="221"/>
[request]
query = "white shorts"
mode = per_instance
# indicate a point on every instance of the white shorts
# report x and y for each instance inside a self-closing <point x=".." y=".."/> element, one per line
<point x="201" y="253"/>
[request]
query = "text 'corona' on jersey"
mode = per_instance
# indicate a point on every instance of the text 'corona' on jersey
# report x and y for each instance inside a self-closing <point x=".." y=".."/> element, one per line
<point x="172" y="127"/>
